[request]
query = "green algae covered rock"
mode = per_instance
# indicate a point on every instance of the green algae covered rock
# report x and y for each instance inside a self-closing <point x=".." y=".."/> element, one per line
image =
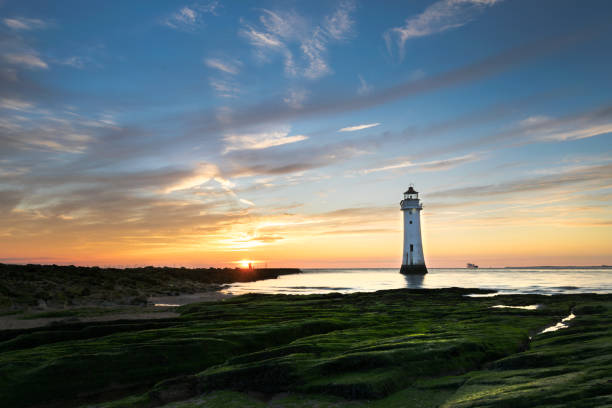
<point x="395" y="348"/>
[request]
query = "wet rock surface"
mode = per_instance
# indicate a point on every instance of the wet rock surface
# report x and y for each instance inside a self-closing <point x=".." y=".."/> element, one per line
<point x="56" y="286"/>
<point x="392" y="348"/>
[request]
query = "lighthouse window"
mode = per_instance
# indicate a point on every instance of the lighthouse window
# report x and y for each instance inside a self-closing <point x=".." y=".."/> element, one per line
<point x="411" y="247"/>
<point x="410" y="222"/>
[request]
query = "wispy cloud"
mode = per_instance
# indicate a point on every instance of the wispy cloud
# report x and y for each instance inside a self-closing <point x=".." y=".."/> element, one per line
<point x="184" y="18"/>
<point x="202" y="174"/>
<point x="225" y="88"/>
<point x="541" y="129"/>
<point x="74" y="61"/>
<point x="438" y="17"/>
<point x="581" y="133"/>
<point x="276" y="29"/>
<point x="289" y="34"/>
<point x="15" y="104"/>
<point x="109" y="217"/>
<point x="29" y="60"/>
<point x="364" y="87"/>
<point x="314" y="49"/>
<point x="344" y="221"/>
<point x="9" y="199"/>
<point x="263" y="140"/>
<point x="268" y="229"/>
<point x="228" y="67"/>
<point x="20" y="23"/>
<point x="579" y="175"/>
<point x="358" y="127"/>
<point x="188" y="18"/>
<point x="339" y="25"/>
<point x="294" y="159"/>
<point x="296" y="97"/>
<point x="435" y="165"/>
<point x="260" y="39"/>
<point x="247" y="202"/>
<point x="44" y="130"/>
<point x="328" y="103"/>
<point x="58" y="146"/>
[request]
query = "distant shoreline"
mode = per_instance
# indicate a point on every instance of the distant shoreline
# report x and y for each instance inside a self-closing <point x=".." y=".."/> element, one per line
<point x="54" y="286"/>
<point x="557" y="267"/>
<point x="573" y="267"/>
<point x="480" y="267"/>
<point x="39" y="295"/>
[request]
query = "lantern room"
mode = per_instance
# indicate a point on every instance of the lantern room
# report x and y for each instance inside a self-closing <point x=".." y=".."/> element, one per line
<point x="411" y="194"/>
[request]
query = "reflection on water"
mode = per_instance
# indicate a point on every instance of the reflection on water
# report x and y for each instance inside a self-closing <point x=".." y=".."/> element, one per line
<point x="560" y="325"/>
<point x="477" y="295"/>
<point x="545" y="281"/>
<point x="528" y="307"/>
<point x="414" y="281"/>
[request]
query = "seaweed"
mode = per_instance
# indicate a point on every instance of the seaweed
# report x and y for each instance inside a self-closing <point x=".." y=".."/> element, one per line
<point x="431" y="347"/>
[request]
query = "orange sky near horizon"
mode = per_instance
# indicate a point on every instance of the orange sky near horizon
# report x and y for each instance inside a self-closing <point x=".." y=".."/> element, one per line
<point x="349" y="238"/>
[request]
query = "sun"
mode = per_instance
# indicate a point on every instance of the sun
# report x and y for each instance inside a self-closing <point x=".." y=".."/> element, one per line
<point x="245" y="263"/>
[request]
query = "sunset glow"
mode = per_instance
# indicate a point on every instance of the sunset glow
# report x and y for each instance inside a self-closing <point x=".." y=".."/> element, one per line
<point x="245" y="263"/>
<point x="192" y="135"/>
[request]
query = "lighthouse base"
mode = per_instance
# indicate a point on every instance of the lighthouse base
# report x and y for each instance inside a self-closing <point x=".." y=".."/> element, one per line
<point x="413" y="269"/>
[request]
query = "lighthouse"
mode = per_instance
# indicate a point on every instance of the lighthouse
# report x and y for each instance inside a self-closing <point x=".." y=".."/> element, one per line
<point x="413" y="261"/>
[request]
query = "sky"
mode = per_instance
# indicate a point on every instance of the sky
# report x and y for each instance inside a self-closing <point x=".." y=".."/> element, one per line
<point x="284" y="132"/>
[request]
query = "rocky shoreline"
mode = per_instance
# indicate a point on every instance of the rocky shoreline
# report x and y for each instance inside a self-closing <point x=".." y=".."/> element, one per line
<point x="43" y="287"/>
<point x="392" y="348"/>
<point x="156" y="307"/>
<point x="40" y="295"/>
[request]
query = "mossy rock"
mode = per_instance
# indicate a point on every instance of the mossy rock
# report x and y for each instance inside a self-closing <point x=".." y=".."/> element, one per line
<point x="429" y="347"/>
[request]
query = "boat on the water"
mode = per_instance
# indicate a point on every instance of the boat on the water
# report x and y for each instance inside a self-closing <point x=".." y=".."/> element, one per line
<point x="471" y="266"/>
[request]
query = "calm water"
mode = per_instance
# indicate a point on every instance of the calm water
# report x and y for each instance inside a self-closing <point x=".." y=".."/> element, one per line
<point x="542" y="281"/>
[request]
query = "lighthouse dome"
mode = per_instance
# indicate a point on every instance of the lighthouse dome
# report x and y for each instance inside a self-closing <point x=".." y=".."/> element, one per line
<point x="411" y="194"/>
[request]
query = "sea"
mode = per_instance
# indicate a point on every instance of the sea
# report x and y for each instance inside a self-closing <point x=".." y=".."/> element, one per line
<point x="503" y="281"/>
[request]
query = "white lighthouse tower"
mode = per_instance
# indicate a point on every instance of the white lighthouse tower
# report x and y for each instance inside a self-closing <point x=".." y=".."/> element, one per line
<point x="413" y="261"/>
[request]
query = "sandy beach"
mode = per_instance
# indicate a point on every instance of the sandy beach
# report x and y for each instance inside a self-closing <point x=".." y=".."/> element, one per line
<point x="186" y="298"/>
<point x="158" y="307"/>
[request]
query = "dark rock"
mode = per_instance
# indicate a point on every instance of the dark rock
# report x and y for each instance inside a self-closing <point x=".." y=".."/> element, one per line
<point x="175" y="389"/>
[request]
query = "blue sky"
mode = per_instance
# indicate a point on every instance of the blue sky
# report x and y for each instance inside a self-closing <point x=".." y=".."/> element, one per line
<point x="202" y="133"/>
